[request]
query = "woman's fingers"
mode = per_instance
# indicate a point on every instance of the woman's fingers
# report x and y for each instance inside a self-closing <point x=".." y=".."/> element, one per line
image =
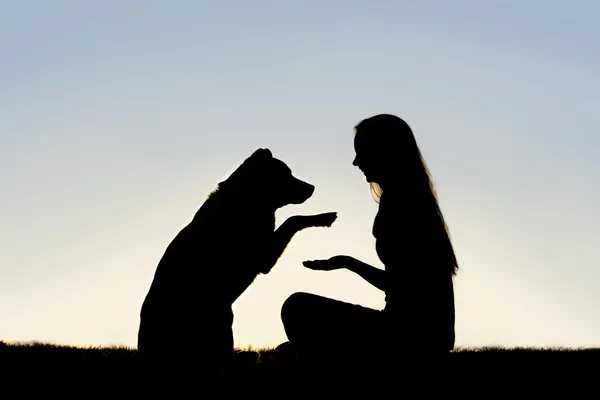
<point x="313" y="264"/>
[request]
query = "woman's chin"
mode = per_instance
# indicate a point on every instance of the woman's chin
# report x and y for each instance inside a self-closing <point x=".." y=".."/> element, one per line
<point x="369" y="178"/>
<point x="373" y="181"/>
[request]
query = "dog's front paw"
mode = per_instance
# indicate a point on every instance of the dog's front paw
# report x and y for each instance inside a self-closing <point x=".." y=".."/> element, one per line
<point x="323" y="220"/>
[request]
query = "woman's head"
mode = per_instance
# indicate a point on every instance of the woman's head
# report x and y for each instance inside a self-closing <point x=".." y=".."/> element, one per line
<point x="388" y="155"/>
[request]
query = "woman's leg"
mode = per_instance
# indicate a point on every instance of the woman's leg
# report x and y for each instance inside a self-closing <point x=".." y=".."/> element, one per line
<point x="320" y="327"/>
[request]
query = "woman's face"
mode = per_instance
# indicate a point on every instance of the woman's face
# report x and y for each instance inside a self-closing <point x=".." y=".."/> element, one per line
<point x="366" y="158"/>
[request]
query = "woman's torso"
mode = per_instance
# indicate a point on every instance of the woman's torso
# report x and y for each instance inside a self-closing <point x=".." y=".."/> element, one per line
<point x="419" y="290"/>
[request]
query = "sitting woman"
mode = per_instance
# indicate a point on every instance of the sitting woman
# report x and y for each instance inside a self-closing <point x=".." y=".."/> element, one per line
<point x="412" y="242"/>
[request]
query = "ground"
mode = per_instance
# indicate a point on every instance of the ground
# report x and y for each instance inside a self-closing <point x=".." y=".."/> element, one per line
<point x="534" y="370"/>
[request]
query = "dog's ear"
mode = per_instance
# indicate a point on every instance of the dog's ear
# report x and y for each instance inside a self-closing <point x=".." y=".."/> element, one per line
<point x="259" y="157"/>
<point x="262" y="154"/>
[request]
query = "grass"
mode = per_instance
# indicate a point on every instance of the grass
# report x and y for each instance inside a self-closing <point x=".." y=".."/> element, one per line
<point x="541" y="370"/>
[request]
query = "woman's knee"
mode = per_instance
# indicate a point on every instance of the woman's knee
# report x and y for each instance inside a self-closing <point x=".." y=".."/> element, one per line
<point x="294" y="306"/>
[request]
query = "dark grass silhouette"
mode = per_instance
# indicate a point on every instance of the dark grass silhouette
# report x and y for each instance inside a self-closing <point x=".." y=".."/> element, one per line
<point x="215" y="258"/>
<point x="486" y="370"/>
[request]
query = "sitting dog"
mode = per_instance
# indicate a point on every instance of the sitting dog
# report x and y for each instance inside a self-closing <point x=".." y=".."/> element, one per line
<point x="187" y="313"/>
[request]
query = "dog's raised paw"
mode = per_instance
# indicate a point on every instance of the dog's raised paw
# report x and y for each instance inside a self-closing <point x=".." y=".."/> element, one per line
<point x="325" y="219"/>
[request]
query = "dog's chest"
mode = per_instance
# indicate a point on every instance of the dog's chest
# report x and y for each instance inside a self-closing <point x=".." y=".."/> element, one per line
<point x="243" y="231"/>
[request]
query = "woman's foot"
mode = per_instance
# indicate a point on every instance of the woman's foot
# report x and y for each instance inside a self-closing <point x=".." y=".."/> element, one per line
<point x="285" y="355"/>
<point x="245" y="358"/>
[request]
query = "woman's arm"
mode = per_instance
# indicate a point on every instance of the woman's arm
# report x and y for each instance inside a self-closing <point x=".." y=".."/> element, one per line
<point x="374" y="276"/>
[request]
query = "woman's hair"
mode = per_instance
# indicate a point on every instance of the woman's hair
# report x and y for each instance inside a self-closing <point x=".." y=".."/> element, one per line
<point x="400" y="156"/>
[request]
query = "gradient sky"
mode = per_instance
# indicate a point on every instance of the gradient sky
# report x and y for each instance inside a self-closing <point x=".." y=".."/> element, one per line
<point x="118" y="117"/>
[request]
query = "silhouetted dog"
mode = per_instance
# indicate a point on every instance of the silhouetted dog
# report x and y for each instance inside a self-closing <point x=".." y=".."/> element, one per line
<point x="187" y="312"/>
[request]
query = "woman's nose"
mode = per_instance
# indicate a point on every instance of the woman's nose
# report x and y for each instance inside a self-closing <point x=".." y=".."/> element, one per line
<point x="354" y="162"/>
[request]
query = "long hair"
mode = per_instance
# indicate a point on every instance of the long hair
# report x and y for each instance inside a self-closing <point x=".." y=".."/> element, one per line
<point x="394" y="140"/>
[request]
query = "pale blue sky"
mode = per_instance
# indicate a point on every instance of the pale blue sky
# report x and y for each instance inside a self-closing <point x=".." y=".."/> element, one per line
<point x="117" y="118"/>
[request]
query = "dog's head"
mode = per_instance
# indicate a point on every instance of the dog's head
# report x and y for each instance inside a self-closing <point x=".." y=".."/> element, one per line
<point x="264" y="178"/>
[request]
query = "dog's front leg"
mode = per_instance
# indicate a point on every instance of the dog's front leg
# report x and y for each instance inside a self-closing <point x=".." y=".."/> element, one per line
<point x="284" y="234"/>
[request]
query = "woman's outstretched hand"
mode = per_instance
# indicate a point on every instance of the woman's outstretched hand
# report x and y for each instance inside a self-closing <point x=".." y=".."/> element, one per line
<point x="335" y="262"/>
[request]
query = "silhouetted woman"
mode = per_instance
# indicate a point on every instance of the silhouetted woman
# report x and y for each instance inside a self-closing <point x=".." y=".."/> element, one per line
<point x="414" y="246"/>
